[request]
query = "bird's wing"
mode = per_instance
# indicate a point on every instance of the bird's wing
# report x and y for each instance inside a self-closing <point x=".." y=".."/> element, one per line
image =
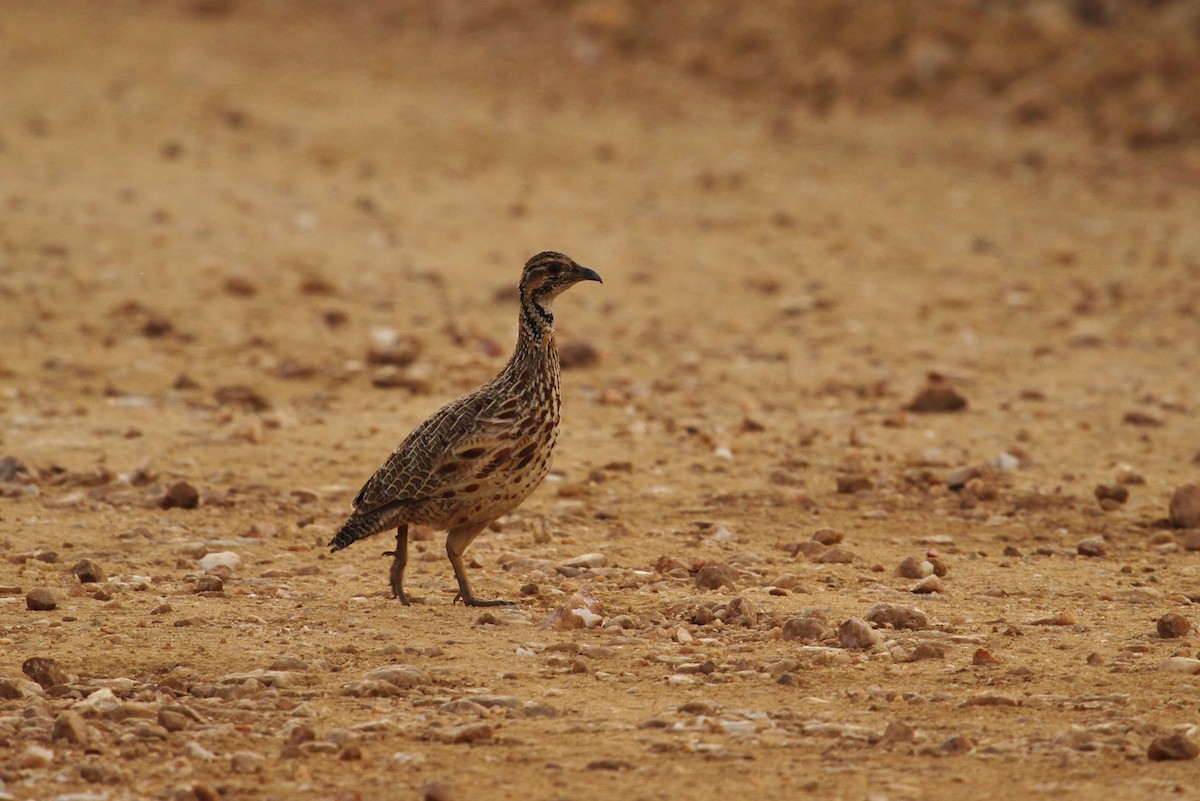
<point x="437" y="456"/>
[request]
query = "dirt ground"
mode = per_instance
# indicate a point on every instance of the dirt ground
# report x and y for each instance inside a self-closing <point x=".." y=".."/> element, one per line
<point x="248" y="246"/>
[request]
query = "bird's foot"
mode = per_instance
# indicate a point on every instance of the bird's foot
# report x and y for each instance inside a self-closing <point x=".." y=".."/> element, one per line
<point x="388" y="553"/>
<point x="471" y="600"/>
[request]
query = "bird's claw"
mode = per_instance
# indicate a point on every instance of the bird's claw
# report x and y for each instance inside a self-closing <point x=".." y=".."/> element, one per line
<point x="471" y="600"/>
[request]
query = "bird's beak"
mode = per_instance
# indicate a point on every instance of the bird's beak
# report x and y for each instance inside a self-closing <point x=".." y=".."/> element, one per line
<point x="586" y="274"/>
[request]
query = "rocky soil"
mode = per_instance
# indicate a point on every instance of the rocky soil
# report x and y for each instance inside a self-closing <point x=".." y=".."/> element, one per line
<point x="881" y="444"/>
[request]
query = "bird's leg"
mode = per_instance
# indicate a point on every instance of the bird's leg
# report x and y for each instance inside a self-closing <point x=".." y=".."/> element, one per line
<point x="456" y="542"/>
<point x="399" y="559"/>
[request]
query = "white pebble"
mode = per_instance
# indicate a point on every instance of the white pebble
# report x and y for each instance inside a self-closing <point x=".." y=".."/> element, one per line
<point x="590" y="619"/>
<point x="1006" y="461"/>
<point x="1181" y="664"/>
<point x="35" y="756"/>
<point x="587" y="560"/>
<point x="99" y="702"/>
<point x="193" y="750"/>
<point x="227" y="559"/>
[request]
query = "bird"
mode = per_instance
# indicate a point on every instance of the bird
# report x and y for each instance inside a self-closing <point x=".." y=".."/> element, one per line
<point x="480" y="456"/>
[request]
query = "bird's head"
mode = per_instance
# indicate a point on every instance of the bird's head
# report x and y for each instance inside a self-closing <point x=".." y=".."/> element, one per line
<point x="547" y="274"/>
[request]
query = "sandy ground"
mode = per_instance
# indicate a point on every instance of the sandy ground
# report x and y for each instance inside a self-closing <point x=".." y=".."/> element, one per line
<point x="219" y="218"/>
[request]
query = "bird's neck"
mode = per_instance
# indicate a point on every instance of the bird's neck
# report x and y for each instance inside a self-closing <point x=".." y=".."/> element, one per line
<point x="534" y="363"/>
<point x="537" y="323"/>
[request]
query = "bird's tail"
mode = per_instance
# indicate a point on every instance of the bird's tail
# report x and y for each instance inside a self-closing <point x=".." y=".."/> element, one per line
<point x="355" y="529"/>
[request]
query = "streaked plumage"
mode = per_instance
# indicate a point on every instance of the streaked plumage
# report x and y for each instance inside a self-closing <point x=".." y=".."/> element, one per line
<point x="480" y="456"/>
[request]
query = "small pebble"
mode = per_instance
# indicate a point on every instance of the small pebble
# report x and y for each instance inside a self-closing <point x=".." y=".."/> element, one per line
<point x="805" y="629"/>
<point x="1172" y="747"/>
<point x="741" y="612"/>
<point x="837" y="556"/>
<point x="1092" y="546"/>
<point x="856" y="633"/>
<point x="193" y="750"/>
<point x="44" y="671"/>
<point x="827" y="536"/>
<point x="1140" y="418"/>
<point x="173" y="721"/>
<point x="1173" y="625"/>
<point x="914" y="567"/>
<point x="403" y="676"/>
<point x="41" y="599"/>
<point x="468" y="733"/>
<point x="587" y="560"/>
<point x="180" y="495"/>
<point x="936" y="397"/>
<point x="106" y="773"/>
<point x="247" y="762"/>
<point x="897" y="731"/>
<point x="928" y="650"/>
<point x="33" y="757"/>
<point x="1181" y="664"/>
<point x="984" y="658"/>
<point x="437" y="790"/>
<point x="898" y="616"/>
<point x="1185" y="507"/>
<point x="88" y="571"/>
<point x="69" y="726"/>
<point x="714" y="577"/>
<point x="209" y="584"/>
<point x="241" y="396"/>
<point x="852" y="484"/>
<point x="1111" y="492"/>
<point x="928" y="586"/>
<point x="217" y="559"/>
<point x="958" y="744"/>
<point x="957" y="478"/>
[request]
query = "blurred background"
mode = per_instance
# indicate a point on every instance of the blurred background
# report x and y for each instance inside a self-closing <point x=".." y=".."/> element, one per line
<point x="285" y="175"/>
